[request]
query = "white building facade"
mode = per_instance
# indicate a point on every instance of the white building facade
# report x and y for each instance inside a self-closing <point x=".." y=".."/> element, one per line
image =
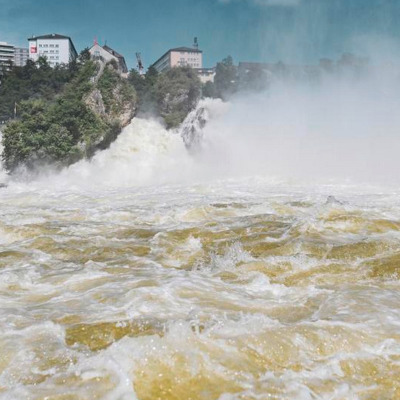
<point x="21" y="55"/>
<point x="180" y="57"/>
<point x="58" y="49"/>
<point x="206" y="74"/>
<point x="7" y="52"/>
<point x="107" y="54"/>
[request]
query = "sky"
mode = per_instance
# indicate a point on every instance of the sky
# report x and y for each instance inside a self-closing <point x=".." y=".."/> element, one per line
<point x="293" y="31"/>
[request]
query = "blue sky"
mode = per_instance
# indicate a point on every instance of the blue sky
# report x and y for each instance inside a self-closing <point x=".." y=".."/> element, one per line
<point x="250" y="30"/>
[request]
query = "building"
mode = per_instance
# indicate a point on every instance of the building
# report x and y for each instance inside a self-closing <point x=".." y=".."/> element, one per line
<point x="6" y="55"/>
<point x="107" y="54"/>
<point x="180" y="57"/>
<point x="21" y="55"/>
<point x="206" y="74"/>
<point x="58" y="49"/>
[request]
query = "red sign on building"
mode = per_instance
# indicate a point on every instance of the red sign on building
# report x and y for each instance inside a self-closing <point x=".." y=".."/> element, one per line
<point x="33" y="49"/>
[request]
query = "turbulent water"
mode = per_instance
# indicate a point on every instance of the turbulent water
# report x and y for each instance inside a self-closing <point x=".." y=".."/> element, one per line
<point x="119" y="280"/>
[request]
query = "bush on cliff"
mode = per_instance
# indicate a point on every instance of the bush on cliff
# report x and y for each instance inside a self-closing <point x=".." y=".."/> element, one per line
<point x="177" y="92"/>
<point x="115" y="92"/>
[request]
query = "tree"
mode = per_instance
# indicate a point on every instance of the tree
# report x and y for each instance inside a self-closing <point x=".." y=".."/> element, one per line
<point x="33" y="81"/>
<point x="255" y="79"/>
<point x="177" y="92"/>
<point x="84" y="55"/>
<point x="209" y="90"/>
<point x="151" y="76"/>
<point x="226" y="80"/>
<point x="144" y="87"/>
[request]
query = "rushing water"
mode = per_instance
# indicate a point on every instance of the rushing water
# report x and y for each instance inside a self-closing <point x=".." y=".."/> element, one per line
<point x="119" y="282"/>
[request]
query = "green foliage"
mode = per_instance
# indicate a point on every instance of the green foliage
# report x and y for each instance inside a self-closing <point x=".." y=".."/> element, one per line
<point x="63" y="129"/>
<point x="107" y="83"/>
<point x="138" y="81"/>
<point x="33" y="81"/>
<point x="255" y="79"/>
<point x="177" y="92"/>
<point x="209" y="90"/>
<point x="84" y="55"/>
<point x="61" y="117"/>
<point x="36" y="137"/>
<point x="226" y="79"/>
<point x="116" y="92"/>
<point x="144" y="86"/>
<point x="171" y="95"/>
<point x="152" y="76"/>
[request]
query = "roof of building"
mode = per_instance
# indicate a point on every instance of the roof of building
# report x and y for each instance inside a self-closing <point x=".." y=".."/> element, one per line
<point x="112" y="51"/>
<point x="120" y="57"/>
<point x="186" y="49"/>
<point x="50" y="36"/>
<point x="54" y="36"/>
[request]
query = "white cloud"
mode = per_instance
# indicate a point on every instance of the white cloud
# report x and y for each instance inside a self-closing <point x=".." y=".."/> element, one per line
<point x="266" y="3"/>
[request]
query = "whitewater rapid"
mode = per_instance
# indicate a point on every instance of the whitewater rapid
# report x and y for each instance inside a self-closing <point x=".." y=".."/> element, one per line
<point x="226" y="290"/>
<point x="153" y="273"/>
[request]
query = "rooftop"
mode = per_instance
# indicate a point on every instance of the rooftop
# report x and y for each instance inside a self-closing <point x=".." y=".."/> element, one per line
<point x="187" y="49"/>
<point x="50" y="36"/>
<point x="112" y="51"/>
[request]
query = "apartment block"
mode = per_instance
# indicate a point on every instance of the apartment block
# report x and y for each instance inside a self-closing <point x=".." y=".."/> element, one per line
<point x="58" y="49"/>
<point x="179" y="57"/>
<point x="21" y="55"/>
<point x="6" y="55"/>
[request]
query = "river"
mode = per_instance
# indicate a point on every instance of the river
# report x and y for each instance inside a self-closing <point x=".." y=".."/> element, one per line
<point x="120" y="281"/>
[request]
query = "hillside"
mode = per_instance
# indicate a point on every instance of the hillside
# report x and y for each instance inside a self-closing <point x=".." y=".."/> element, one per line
<point x="70" y="112"/>
<point x="59" y="123"/>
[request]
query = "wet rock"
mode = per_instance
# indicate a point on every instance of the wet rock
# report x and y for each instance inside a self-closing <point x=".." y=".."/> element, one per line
<point x="192" y="128"/>
<point x="333" y="200"/>
<point x="94" y="100"/>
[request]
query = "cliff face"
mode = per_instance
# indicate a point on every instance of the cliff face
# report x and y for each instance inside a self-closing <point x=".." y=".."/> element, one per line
<point x="87" y="116"/>
<point x="112" y="97"/>
<point x="113" y="100"/>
